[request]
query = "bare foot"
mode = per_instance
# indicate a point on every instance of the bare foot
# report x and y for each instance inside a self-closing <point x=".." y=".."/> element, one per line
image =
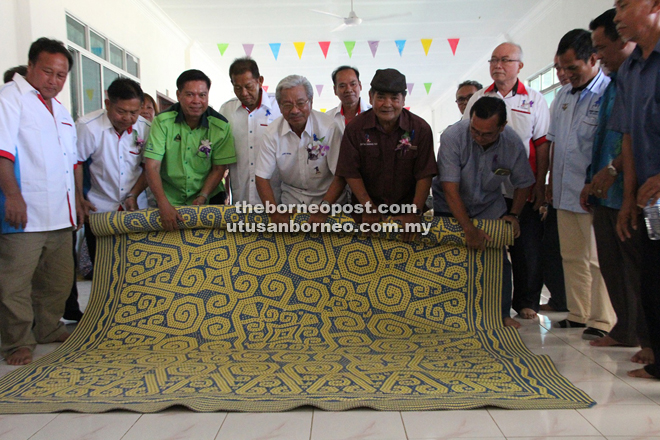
<point x="641" y="373"/>
<point x="63" y="337"/>
<point x="510" y="322"/>
<point x="643" y="356"/>
<point x="20" y="356"/>
<point x="605" y="341"/>
<point x="527" y="313"/>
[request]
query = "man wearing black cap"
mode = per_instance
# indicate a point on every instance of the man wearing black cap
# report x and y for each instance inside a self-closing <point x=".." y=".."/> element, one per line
<point x="386" y="154"/>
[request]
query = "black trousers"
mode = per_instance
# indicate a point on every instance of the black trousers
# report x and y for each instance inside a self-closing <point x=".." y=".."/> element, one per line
<point x="650" y="293"/>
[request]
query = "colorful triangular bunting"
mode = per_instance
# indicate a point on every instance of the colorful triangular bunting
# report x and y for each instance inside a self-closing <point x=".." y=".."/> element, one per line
<point x="265" y="88"/>
<point x="324" y="47"/>
<point x="400" y="44"/>
<point x="90" y="93"/>
<point x="222" y="47"/>
<point x="319" y="88"/>
<point x="373" y="45"/>
<point x="323" y="110"/>
<point x="407" y="108"/>
<point x="426" y="44"/>
<point x="350" y="45"/>
<point x="300" y="45"/>
<point x="275" y="48"/>
<point x="453" y="43"/>
<point x="248" y="49"/>
<point x="427" y="86"/>
<point x="410" y="87"/>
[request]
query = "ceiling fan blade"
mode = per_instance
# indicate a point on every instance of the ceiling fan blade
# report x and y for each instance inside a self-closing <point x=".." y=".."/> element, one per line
<point x="385" y="17"/>
<point x="341" y="27"/>
<point x="327" y="13"/>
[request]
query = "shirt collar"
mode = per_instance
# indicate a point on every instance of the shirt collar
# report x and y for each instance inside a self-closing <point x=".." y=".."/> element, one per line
<point x="361" y="107"/>
<point x="309" y="126"/>
<point x="518" y="89"/>
<point x="593" y="86"/>
<point x="107" y="125"/>
<point x="180" y="119"/>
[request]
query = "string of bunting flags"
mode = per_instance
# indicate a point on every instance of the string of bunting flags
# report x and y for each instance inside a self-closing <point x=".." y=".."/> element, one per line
<point x="349" y="45"/>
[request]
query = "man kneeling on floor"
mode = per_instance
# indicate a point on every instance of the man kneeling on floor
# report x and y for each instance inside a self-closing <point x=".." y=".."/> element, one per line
<point x="477" y="155"/>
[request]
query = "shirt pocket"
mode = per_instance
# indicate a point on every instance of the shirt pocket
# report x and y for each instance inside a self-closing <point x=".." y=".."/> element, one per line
<point x="372" y="158"/>
<point x="491" y="181"/>
<point x="200" y="162"/>
<point x="587" y="128"/>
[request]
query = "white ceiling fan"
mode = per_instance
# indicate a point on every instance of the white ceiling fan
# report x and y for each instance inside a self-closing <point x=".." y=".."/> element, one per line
<point x="354" y="20"/>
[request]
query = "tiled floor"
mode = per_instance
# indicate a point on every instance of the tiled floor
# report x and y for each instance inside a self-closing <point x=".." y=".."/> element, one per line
<point x="627" y="409"/>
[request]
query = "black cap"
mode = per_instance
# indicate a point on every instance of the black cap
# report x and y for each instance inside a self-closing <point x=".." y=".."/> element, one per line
<point x="389" y="81"/>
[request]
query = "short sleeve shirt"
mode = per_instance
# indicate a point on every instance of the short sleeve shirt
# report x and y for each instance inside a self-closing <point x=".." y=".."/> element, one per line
<point x="390" y="176"/>
<point x="186" y="160"/>
<point x="461" y="160"/>
<point x="248" y="128"/>
<point x="573" y="126"/>
<point x="338" y="113"/>
<point x="637" y="110"/>
<point x="116" y="163"/>
<point x="42" y="146"/>
<point x="306" y="164"/>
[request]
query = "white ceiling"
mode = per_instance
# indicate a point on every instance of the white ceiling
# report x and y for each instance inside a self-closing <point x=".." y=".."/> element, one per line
<point x="480" y="25"/>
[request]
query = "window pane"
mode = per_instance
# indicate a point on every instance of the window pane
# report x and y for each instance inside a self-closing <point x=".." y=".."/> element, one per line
<point x="132" y="65"/>
<point x="75" y="32"/>
<point x="546" y="80"/>
<point x="108" y="77"/>
<point x="97" y="44"/>
<point x="535" y="83"/>
<point x="74" y="85"/>
<point x="91" y="79"/>
<point x="550" y="96"/>
<point x="116" y="56"/>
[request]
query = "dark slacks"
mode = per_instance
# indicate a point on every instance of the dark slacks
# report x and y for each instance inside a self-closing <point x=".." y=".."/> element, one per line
<point x="553" y="268"/>
<point x="620" y="264"/>
<point x="650" y="294"/>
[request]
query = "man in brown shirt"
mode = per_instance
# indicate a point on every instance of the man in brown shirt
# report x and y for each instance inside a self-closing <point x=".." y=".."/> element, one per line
<point x="386" y="154"/>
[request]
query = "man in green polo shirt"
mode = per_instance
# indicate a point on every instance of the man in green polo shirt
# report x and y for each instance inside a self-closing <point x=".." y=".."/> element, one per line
<point x="189" y="148"/>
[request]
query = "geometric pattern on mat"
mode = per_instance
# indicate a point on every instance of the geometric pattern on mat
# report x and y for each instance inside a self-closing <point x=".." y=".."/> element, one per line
<point x="214" y="320"/>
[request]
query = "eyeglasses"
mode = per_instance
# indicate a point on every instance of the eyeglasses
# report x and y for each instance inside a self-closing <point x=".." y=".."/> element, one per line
<point x="288" y="106"/>
<point x="495" y="61"/>
<point x="463" y="99"/>
<point x="484" y="136"/>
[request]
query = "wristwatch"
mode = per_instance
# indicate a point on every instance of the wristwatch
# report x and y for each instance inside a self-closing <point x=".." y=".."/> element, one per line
<point x="611" y="170"/>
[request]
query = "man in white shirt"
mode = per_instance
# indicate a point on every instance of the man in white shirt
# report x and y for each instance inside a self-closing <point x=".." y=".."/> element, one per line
<point x="249" y="115"/>
<point x="303" y="145"/>
<point x="114" y="139"/>
<point x="37" y="203"/>
<point x="347" y="87"/>
<point x="528" y="115"/>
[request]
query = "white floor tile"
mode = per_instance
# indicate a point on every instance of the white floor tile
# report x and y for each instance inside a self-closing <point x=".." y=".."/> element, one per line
<point x="357" y="425"/>
<point x="615" y="392"/>
<point x="583" y="369"/>
<point x="23" y="426"/>
<point x="625" y="420"/>
<point x="109" y="426"/>
<point x="582" y="437"/>
<point x="557" y="423"/>
<point x="450" y="424"/>
<point x="293" y="425"/>
<point x="176" y="424"/>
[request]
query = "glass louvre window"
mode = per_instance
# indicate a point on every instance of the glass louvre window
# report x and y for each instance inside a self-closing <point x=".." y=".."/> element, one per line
<point x="75" y="32"/>
<point x="108" y="77"/>
<point x="132" y="65"/>
<point x="74" y="84"/>
<point x="97" y="44"/>
<point x="116" y="56"/>
<point x="91" y="85"/>
<point x="546" y="82"/>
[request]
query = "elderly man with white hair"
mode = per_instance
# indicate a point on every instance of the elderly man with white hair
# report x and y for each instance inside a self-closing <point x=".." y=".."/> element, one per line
<point x="302" y="145"/>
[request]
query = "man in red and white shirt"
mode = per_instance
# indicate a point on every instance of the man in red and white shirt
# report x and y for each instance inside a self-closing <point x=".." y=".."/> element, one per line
<point x="249" y="115"/>
<point x="37" y="203"/>
<point x="528" y="115"/>
<point x="114" y="139"/>
<point x="347" y="87"/>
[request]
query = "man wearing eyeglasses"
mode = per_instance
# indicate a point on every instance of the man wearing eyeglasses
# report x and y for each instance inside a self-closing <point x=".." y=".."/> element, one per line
<point x="528" y="115"/>
<point x="302" y="145"/>
<point x="249" y="115"/>
<point x="476" y="157"/>
<point x="465" y="91"/>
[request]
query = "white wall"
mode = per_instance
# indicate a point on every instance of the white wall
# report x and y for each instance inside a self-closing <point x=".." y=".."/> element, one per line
<point x="538" y="34"/>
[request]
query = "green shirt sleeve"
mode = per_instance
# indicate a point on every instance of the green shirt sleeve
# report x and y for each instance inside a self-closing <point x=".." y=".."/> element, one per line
<point x="224" y="152"/>
<point x="155" y="148"/>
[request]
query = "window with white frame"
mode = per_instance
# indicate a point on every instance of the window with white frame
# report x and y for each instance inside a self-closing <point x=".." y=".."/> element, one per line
<point x="97" y="62"/>
<point x="546" y="82"/>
